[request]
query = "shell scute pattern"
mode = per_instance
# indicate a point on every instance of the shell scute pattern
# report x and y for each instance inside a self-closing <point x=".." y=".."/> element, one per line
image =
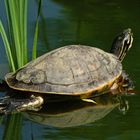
<point x="70" y="69"/>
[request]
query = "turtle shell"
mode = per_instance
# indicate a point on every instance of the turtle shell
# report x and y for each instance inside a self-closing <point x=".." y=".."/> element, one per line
<point x="69" y="70"/>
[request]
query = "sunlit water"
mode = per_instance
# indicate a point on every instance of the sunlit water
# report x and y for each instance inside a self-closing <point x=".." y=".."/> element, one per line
<point x="90" y="22"/>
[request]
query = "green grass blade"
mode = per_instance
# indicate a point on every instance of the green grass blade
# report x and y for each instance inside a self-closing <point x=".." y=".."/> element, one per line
<point x="34" y="50"/>
<point x="10" y="33"/>
<point x="7" y="47"/>
<point x="16" y="33"/>
<point x="35" y="42"/>
<point x="16" y="12"/>
<point x="25" y="31"/>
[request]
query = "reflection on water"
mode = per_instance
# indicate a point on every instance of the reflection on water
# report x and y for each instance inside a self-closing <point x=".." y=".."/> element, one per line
<point x="76" y="113"/>
<point x="90" y="22"/>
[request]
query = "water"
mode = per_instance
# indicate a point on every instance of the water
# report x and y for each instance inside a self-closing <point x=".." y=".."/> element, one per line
<point x="93" y="23"/>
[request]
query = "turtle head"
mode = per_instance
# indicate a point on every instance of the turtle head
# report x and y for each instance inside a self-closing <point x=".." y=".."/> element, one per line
<point x="122" y="43"/>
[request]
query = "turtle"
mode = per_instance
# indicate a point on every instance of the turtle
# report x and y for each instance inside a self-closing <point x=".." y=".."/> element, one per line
<point x="78" y="71"/>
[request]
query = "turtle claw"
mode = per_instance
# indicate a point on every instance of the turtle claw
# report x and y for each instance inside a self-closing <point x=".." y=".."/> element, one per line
<point x="4" y="99"/>
<point x="6" y="107"/>
<point x="4" y="104"/>
<point x="3" y="109"/>
<point x="89" y="100"/>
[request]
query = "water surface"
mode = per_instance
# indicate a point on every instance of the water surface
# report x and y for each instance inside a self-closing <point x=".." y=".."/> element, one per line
<point x="90" y="22"/>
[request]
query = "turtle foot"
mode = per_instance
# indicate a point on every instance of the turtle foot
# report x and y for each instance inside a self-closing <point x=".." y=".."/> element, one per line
<point x="127" y="82"/>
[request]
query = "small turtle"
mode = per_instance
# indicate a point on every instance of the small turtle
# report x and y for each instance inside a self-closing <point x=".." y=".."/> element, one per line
<point x="74" y="70"/>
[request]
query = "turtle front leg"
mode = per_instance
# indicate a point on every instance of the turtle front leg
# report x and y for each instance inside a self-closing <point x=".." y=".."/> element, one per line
<point x="127" y="82"/>
<point x="19" y="105"/>
<point x="126" y="85"/>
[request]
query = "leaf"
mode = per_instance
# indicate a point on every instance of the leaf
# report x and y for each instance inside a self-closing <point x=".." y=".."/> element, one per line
<point x="7" y="47"/>
<point x="34" y="50"/>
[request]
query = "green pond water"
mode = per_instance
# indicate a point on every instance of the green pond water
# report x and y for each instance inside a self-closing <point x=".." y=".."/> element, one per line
<point x="88" y="22"/>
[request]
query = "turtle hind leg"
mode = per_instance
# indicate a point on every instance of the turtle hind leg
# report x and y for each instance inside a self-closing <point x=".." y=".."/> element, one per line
<point x="34" y="103"/>
<point x="18" y="105"/>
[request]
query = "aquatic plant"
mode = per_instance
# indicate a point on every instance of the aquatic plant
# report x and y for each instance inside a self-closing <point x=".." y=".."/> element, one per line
<point x="15" y="44"/>
<point x="36" y="31"/>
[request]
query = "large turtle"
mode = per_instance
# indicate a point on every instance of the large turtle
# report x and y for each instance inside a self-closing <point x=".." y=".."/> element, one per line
<point x="73" y="70"/>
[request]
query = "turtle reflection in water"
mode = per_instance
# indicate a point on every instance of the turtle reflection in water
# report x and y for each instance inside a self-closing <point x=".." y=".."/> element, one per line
<point x="77" y="113"/>
<point x="74" y="71"/>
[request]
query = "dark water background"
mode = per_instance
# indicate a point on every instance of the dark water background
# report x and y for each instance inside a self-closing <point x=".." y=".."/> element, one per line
<point x="88" y="22"/>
